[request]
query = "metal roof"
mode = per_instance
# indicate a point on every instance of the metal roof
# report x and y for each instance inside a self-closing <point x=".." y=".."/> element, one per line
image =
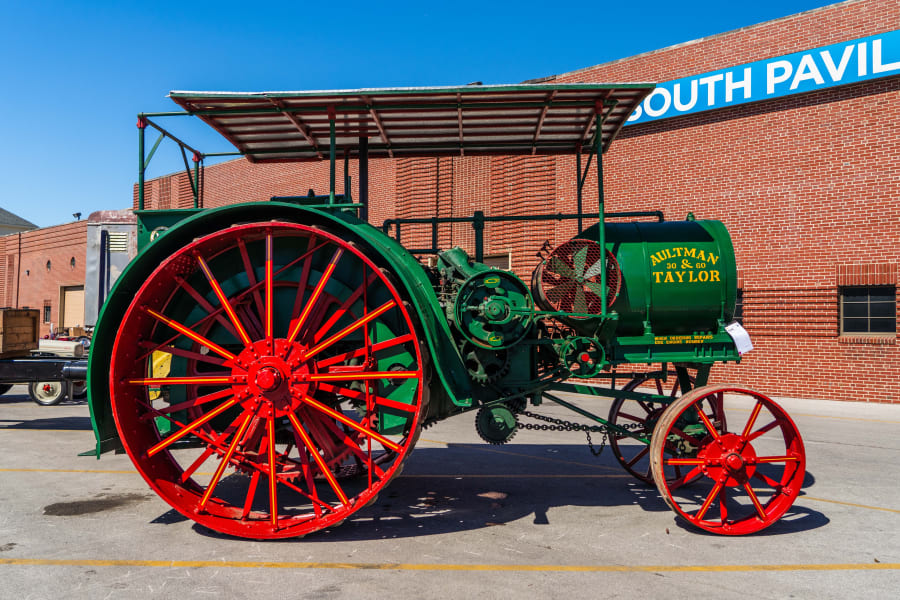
<point x="423" y="121"/>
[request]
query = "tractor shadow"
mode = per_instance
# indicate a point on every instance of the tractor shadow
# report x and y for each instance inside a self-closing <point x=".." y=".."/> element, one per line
<point x="475" y="486"/>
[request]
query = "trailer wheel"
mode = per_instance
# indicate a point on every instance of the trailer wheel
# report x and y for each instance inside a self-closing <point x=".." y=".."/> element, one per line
<point x="745" y="477"/>
<point x="296" y="387"/>
<point x="641" y="417"/>
<point x="5" y="387"/>
<point x="47" y="393"/>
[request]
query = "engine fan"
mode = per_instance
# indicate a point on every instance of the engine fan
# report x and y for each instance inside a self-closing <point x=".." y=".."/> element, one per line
<point x="569" y="280"/>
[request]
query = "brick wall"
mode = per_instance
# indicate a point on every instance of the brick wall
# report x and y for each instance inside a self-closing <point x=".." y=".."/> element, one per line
<point x="808" y="185"/>
<point x="25" y="280"/>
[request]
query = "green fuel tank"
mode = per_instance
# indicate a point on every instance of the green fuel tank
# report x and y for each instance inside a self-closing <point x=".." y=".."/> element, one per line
<point x="675" y="277"/>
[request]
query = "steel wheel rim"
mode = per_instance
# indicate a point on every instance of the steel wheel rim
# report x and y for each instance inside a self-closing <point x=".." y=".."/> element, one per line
<point x="746" y="479"/>
<point x="274" y="386"/>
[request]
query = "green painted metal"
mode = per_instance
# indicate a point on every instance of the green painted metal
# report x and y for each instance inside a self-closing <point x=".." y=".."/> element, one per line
<point x="679" y="278"/>
<point x="451" y="390"/>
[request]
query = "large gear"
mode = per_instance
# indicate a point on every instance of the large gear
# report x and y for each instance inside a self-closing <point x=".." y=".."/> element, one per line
<point x="496" y="424"/>
<point x="484" y="365"/>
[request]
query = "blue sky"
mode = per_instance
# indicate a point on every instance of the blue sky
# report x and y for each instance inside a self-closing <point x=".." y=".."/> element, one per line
<point x="75" y="74"/>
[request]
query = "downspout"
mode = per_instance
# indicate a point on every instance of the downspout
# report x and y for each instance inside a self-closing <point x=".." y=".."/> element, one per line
<point x="18" y="268"/>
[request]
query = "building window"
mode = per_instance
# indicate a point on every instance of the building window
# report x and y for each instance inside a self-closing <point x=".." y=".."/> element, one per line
<point x="47" y="310"/>
<point x="869" y="309"/>
<point x="498" y="261"/>
<point x="739" y="307"/>
<point x="72" y="262"/>
<point x="48" y="265"/>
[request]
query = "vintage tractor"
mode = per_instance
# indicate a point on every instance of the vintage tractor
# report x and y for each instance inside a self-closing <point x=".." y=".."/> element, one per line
<point x="268" y="366"/>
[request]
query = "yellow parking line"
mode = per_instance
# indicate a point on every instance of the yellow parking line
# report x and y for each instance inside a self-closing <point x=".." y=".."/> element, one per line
<point x="64" y="471"/>
<point x="893" y="510"/>
<point x="447" y="567"/>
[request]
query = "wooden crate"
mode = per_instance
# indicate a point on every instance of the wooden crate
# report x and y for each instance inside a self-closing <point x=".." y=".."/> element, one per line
<point x="19" y="331"/>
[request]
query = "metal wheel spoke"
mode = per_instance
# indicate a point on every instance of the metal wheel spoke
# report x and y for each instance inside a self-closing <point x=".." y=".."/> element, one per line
<point x="709" y="500"/>
<point x="223" y="301"/>
<point x="192" y="380"/>
<point x="776" y="459"/>
<point x="251" y="493"/>
<point x="638" y="456"/>
<point x="632" y="417"/>
<point x="350" y="328"/>
<point x="205" y="305"/>
<point x="354" y="447"/>
<point x="185" y="331"/>
<point x="684" y="461"/>
<point x="273" y="474"/>
<point x="250" y="272"/>
<point x="304" y="276"/>
<point x="216" y="444"/>
<point x="357" y="395"/>
<point x="362" y="375"/>
<point x="752" y="420"/>
<point x="226" y="459"/>
<point x="685" y="479"/>
<point x="298" y="324"/>
<point x="270" y="289"/>
<point x="181" y="352"/>
<point x="350" y="423"/>
<point x="762" y="430"/>
<point x="319" y="461"/>
<point x="755" y="500"/>
<point x="191" y="427"/>
<point x="344" y="308"/>
<point x="198" y="401"/>
<point x="361" y="352"/>
<point x="767" y="480"/>
<point x="723" y="505"/>
<point x="707" y="423"/>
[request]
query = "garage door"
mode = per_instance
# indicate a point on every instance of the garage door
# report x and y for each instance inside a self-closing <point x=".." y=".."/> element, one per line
<point x="73" y="306"/>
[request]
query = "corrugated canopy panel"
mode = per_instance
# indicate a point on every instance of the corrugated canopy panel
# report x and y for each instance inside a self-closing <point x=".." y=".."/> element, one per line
<point x="427" y="121"/>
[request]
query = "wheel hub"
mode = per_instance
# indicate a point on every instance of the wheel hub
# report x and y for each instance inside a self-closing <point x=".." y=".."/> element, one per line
<point x="274" y="375"/>
<point x="730" y="459"/>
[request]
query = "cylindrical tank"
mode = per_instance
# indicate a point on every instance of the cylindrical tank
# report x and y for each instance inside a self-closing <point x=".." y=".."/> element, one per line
<point x="678" y="277"/>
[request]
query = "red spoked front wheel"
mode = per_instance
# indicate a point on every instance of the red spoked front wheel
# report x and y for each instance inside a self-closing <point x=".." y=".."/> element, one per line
<point x="640" y="417"/>
<point x="267" y="380"/>
<point x="743" y="479"/>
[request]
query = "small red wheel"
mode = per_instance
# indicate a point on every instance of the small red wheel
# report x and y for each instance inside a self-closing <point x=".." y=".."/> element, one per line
<point x="292" y="385"/>
<point x="641" y="417"/>
<point x="745" y="479"/>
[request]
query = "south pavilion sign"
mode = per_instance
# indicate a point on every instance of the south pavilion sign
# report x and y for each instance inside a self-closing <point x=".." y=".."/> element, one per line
<point x="862" y="59"/>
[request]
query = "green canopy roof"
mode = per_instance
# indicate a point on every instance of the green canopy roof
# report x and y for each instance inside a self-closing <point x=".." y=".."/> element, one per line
<point x="424" y="121"/>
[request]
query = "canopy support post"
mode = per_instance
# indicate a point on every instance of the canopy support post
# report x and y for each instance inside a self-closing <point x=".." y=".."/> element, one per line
<point x="332" y="116"/>
<point x="598" y="150"/>
<point x="364" y="178"/>
<point x="196" y="159"/>
<point x="141" y="125"/>
<point x="580" y="182"/>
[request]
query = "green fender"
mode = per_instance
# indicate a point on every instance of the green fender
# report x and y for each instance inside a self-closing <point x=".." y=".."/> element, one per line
<point x="185" y="225"/>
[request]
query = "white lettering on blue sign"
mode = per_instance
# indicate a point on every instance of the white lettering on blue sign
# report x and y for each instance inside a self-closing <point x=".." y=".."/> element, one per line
<point x="839" y="64"/>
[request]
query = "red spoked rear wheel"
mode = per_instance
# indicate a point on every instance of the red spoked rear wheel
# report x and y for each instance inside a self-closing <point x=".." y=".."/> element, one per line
<point x="267" y="380"/>
<point x="743" y="479"/>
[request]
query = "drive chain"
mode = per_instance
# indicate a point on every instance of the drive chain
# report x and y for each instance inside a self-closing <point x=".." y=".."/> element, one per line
<point x="553" y="424"/>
